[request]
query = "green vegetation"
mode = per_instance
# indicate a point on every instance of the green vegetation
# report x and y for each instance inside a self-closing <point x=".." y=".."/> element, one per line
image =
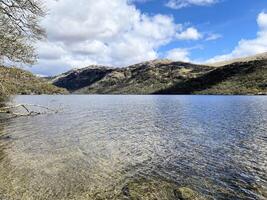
<point x="252" y="82"/>
<point x="18" y="81"/>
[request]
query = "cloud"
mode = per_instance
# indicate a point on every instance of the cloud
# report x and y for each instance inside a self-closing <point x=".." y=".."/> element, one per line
<point x="213" y="36"/>
<point x="262" y="21"/>
<point x="178" y="4"/>
<point x="85" y="32"/>
<point x="138" y="1"/>
<point x="189" y="34"/>
<point x="248" y="47"/>
<point x="178" y="54"/>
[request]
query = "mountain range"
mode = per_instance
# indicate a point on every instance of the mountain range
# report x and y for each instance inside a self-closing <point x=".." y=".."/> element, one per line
<point x="242" y="76"/>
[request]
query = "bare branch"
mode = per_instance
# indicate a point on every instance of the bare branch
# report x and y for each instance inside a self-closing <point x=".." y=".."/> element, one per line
<point x="19" y="28"/>
<point x="10" y="110"/>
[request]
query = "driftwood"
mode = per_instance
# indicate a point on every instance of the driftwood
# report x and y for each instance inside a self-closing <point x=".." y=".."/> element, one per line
<point x="11" y="110"/>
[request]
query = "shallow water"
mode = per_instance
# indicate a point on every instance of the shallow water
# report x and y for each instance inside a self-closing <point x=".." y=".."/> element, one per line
<point x="92" y="148"/>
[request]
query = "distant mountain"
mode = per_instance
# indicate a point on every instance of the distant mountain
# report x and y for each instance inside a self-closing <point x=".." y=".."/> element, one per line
<point x="262" y="56"/>
<point x="241" y="76"/>
<point x="143" y="78"/>
<point x="18" y="81"/>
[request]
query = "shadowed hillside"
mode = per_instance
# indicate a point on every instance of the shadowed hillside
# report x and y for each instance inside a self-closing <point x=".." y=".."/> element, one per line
<point x="79" y="78"/>
<point x="237" y="78"/>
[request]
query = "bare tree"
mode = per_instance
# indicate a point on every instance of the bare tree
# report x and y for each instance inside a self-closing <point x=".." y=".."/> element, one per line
<point x="19" y="29"/>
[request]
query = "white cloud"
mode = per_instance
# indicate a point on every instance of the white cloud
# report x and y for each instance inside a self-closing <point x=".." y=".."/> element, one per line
<point x="178" y="54"/>
<point x="249" y="47"/>
<point x="262" y="21"/>
<point x="178" y="4"/>
<point x="189" y="34"/>
<point x="85" y="32"/>
<point x="50" y="51"/>
<point x="213" y="36"/>
<point x="138" y="1"/>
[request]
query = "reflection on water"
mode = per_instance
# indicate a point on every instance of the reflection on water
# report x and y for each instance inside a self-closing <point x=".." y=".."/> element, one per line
<point x="98" y="145"/>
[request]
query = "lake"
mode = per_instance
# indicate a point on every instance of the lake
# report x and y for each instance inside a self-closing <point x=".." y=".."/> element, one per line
<point x="113" y="147"/>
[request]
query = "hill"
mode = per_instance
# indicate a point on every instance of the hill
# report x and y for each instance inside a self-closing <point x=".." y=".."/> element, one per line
<point x="262" y="56"/>
<point x="17" y="81"/>
<point x="240" y="76"/>
<point x="143" y="78"/>
<point x="79" y="78"/>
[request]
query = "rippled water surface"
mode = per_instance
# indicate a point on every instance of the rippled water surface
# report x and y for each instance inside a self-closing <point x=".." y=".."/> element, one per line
<point x="99" y="145"/>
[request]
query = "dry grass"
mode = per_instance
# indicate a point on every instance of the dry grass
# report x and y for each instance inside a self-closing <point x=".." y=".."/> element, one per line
<point x="18" y="81"/>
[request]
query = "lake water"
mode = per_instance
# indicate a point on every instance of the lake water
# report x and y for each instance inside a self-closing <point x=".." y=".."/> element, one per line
<point x="97" y="146"/>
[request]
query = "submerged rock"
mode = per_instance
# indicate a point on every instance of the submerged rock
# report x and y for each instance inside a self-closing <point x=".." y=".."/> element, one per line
<point x="185" y="193"/>
<point x="157" y="190"/>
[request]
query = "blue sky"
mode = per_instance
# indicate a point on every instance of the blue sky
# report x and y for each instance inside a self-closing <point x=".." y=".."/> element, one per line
<point x="233" y="20"/>
<point x="124" y="32"/>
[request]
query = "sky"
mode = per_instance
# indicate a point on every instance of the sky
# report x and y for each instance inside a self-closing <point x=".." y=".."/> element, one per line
<point x="124" y="32"/>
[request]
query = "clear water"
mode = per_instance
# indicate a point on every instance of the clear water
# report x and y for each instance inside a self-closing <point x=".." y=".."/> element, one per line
<point x="92" y="148"/>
